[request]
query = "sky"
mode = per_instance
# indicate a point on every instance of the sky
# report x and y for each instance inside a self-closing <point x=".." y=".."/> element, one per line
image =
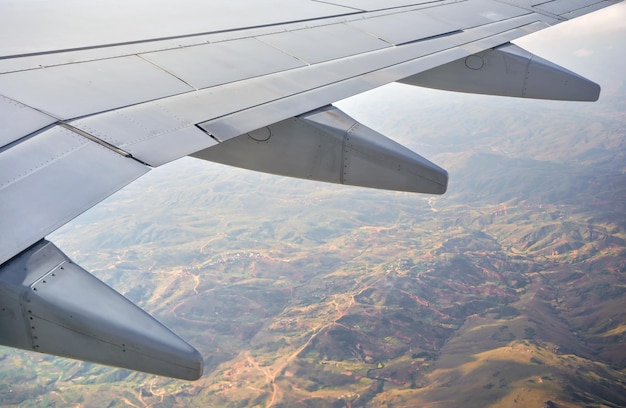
<point x="584" y="40"/>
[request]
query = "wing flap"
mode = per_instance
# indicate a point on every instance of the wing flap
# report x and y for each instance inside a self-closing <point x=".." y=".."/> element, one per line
<point x="51" y="178"/>
<point x="19" y="120"/>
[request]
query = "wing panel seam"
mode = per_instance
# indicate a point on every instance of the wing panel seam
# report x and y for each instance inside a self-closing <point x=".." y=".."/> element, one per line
<point x="339" y="5"/>
<point x="99" y="141"/>
<point x="166" y="71"/>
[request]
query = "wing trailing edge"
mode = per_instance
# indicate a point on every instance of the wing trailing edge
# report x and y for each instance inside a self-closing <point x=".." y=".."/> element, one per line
<point x="508" y="70"/>
<point x="328" y="145"/>
<point x="51" y="305"/>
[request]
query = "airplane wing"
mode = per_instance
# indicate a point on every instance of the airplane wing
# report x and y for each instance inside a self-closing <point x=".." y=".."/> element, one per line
<point x="95" y="94"/>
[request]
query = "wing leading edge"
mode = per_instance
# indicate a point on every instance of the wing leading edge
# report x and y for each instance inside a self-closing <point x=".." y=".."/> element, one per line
<point x="85" y="111"/>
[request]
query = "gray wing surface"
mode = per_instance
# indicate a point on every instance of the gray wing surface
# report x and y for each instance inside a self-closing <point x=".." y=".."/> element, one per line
<point x="94" y="95"/>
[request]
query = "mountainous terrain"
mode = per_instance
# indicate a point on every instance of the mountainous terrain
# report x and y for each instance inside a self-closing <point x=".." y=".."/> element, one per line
<point x="510" y="290"/>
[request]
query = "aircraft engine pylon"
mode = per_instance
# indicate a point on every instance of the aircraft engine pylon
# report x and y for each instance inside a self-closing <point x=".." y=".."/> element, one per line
<point x="328" y="145"/>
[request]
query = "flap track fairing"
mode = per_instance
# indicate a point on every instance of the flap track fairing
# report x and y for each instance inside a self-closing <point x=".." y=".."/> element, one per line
<point x="508" y="70"/>
<point x="328" y="145"/>
<point x="51" y="305"/>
